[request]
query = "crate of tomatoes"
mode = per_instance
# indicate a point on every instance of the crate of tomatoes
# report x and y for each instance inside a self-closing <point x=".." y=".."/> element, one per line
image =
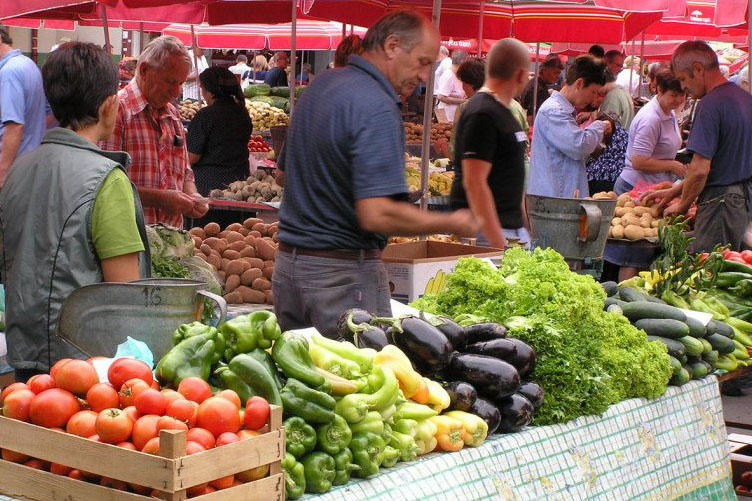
<point x="66" y="434"/>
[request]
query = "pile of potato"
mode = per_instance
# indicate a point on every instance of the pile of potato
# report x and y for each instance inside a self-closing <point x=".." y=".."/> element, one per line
<point x="414" y="132"/>
<point x="188" y="109"/>
<point x="259" y="187"/>
<point x="243" y="257"/>
<point x="632" y="221"/>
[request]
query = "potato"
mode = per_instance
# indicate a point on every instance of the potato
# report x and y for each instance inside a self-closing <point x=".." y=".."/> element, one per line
<point x="250" y="275"/>
<point x="639" y="210"/>
<point x="617" y="231"/>
<point x="211" y="242"/>
<point x="222" y="234"/>
<point x="198" y="232"/>
<point x="248" y="252"/>
<point x="237" y="246"/>
<point x="231" y="254"/>
<point x="255" y="234"/>
<point x="261" y="284"/>
<point x="251" y="296"/>
<point x="623" y="199"/>
<point x="633" y="232"/>
<point x="646" y="220"/>
<point x="225" y="263"/>
<point x="603" y="195"/>
<point x="620" y="211"/>
<point x="234" y="227"/>
<point x="655" y="223"/>
<point x="232" y="283"/>
<point x="258" y="227"/>
<point x="616" y="221"/>
<point x="275" y="238"/>
<point x="237" y="267"/>
<point x="610" y="232"/>
<point x="272" y="230"/>
<point x="269" y="263"/>
<point x="197" y="241"/>
<point x="222" y="276"/>
<point x="268" y="272"/>
<point x="254" y="262"/>
<point x="234" y="236"/>
<point x="205" y="249"/>
<point x="630" y="219"/>
<point x="211" y="229"/>
<point x="655" y="211"/>
<point x="629" y="204"/>
<point x="215" y="261"/>
<point x="234" y="298"/>
<point x="248" y="223"/>
<point x="250" y="240"/>
<point x="265" y="250"/>
<point x="244" y="231"/>
<point x="269" y="297"/>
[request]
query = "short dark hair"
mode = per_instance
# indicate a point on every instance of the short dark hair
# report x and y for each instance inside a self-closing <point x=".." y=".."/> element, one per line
<point x="609" y="76"/>
<point x="611" y="55"/>
<point x="405" y="24"/>
<point x="552" y="60"/>
<point x="665" y="80"/>
<point x="78" y="77"/>
<point x="472" y="72"/>
<point x="351" y="44"/>
<point x="596" y="51"/>
<point x="588" y="69"/>
<point x="5" y="35"/>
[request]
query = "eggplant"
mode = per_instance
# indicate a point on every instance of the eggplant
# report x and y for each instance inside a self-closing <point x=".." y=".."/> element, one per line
<point x="425" y="345"/>
<point x="488" y="412"/>
<point x="533" y="392"/>
<point x="454" y="332"/>
<point x="372" y="337"/>
<point x="516" y="412"/>
<point x="524" y="359"/>
<point x="484" y="332"/>
<point x="462" y="395"/>
<point x="352" y="316"/>
<point x="498" y="348"/>
<point x="493" y="378"/>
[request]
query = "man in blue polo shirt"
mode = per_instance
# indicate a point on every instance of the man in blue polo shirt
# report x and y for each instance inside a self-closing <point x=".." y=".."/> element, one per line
<point x="343" y="163"/>
<point x="22" y="104"/>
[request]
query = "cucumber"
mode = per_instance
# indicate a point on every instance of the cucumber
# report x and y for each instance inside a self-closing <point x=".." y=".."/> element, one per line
<point x="675" y="364"/>
<point x="630" y="294"/>
<point x="706" y="346"/>
<point x="615" y="308"/>
<point x="711" y="357"/>
<point x="698" y="370"/>
<point x="681" y="378"/>
<point x="675" y="348"/>
<point x="708" y="366"/>
<point x="643" y="309"/>
<point x="692" y="347"/>
<point x="683" y="359"/>
<point x="696" y="329"/>
<point x="664" y="327"/>
<point x="720" y="343"/>
<point x="721" y="328"/>
<point x="613" y="300"/>
<point x="611" y="288"/>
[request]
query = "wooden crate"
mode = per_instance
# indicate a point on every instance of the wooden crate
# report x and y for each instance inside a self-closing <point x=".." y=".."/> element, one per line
<point x="172" y="472"/>
<point x="741" y="457"/>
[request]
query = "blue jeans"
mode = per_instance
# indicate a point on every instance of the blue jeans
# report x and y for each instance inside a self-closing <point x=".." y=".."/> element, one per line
<point x="621" y="186"/>
<point x="314" y="291"/>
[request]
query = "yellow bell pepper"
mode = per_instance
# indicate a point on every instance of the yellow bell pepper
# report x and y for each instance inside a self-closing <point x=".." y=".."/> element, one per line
<point x="438" y="398"/>
<point x="475" y="428"/>
<point x="449" y="433"/>
<point x="393" y="357"/>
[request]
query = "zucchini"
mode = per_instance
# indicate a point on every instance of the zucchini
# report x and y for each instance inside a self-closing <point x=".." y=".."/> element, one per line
<point x="721" y="328"/>
<point x="681" y="378"/>
<point x="711" y="357"/>
<point x="709" y="367"/>
<point x="615" y="308"/>
<point x="611" y="288"/>
<point x="675" y="364"/>
<point x="630" y="294"/>
<point x="643" y="309"/>
<point x="721" y="344"/>
<point x="692" y="347"/>
<point x="696" y="329"/>
<point x="675" y="348"/>
<point x="664" y="327"/>
<point x="613" y="300"/>
<point x="698" y="370"/>
<point x="683" y="359"/>
<point x="706" y="346"/>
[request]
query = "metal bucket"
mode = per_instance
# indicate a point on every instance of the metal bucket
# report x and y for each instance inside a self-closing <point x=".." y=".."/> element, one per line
<point x="97" y="318"/>
<point x="575" y="228"/>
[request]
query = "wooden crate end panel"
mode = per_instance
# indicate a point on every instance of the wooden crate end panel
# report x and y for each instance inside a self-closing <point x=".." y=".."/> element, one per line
<point x="267" y="489"/>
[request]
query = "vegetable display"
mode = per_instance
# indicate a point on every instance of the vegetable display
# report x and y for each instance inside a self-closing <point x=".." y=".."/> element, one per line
<point x="265" y="116"/>
<point x="633" y="221"/>
<point x="257" y="188"/>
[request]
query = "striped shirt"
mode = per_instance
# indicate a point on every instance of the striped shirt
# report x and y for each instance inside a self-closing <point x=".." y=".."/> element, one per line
<point x="155" y="140"/>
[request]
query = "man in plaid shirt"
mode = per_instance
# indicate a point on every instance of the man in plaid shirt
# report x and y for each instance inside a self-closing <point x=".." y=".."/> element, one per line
<point x="148" y="127"/>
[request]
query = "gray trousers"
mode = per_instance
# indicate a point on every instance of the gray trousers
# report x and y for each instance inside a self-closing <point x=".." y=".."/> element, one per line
<point x="314" y="291"/>
<point x="723" y="213"/>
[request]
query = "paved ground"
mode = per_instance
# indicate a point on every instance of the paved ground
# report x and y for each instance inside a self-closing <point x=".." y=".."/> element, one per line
<point x="739" y="409"/>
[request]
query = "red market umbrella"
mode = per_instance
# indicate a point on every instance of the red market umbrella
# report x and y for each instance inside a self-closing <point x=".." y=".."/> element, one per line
<point x="49" y="9"/>
<point x="653" y="49"/>
<point x="50" y="24"/>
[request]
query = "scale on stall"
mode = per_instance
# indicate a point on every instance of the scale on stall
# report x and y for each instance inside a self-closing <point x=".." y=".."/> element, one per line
<point x="97" y="318"/>
<point x="575" y="228"/>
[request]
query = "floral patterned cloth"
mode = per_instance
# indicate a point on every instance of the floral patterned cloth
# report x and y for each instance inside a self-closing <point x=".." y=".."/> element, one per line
<point x="610" y="163"/>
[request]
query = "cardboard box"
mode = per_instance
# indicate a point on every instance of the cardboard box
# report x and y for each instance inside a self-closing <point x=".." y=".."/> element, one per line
<point x="415" y="268"/>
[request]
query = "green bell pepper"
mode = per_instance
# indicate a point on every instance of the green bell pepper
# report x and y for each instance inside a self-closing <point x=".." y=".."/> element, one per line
<point x="406" y="426"/>
<point x="312" y="405"/>
<point x="186" y="331"/>
<point x="191" y="357"/>
<point x="354" y="407"/>
<point x="290" y="352"/>
<point x="266" y="360"/>
<point x="390" y="456"/>
<point x="361" y="356"/>
<point x="300" y="437"/>
<point x="247" y="332"/>
<point x="343" y="466"/>
<point x="387" y="433"/>
<point x="388" y="413"/>
<point x="367" y="449"/>
<point x="405" y="444"/>
<point x="257" y="377"/>
<point x="334" y="436"/>
<point x="295" y="481"/>
<point x="319" y="468"/>
<point x="333" y="363"/>
<point x="371" y="423"/>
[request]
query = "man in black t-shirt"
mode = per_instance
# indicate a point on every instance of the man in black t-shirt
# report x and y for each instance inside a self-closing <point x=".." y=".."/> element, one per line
<point x="490" y="146"/>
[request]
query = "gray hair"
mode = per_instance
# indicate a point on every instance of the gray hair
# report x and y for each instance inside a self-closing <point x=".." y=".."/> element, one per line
<point x="744" y="74"/>
<point x="505" y="58"/>
<point x="443" y="51"/>
<point x="160" y="50"/>
<point x="693" y="51"/>
<point x="406" y="25"/>
<point x="459" y="57"/>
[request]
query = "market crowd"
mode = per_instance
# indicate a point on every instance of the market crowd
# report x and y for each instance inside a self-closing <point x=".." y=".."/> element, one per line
<point x="75" y="198"/>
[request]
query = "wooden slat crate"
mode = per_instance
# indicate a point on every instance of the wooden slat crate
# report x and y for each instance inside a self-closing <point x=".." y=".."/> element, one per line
<point x="172" y="472"/>
<point x="741" y="458"/>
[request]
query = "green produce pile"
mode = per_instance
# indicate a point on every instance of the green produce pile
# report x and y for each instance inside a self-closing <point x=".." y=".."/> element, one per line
<point x="587" y="359"/>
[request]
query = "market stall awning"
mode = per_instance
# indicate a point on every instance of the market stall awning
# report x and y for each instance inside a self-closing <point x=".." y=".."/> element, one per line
<point x="49" y="9"/>
<point x="311" y="35"/>
<point x="50" y="24"/>
<point x="653" y="49"/>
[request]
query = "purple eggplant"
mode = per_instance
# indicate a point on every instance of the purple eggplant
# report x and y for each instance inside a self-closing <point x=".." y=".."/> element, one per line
<point x="349" y="318"/>
<point x="523" y="359"/>
<point x="516" y="412"/>
<point x="425" y="345"/>
<point x="493" y="378"/>
<point x="462" y="395"/>
<point x="533" y="392"/>
<point x="484" y="332"/>
<point x="488" y="412"/>
<point x="498" y="348"/>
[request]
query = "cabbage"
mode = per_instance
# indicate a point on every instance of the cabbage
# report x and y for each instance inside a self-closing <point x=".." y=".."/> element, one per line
<point x="156" y="245"/>
<point x="178" y="243"/>
<point x="202" y="271"/>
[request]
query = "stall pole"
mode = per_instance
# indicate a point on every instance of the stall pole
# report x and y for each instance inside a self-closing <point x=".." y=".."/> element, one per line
<point x="480" y="27"/>
<point x="425" y="150"/>
<point x="106" y="27"/>
<point x="749" y="42"/>
<point x="535" y="84"/>
<point x="140" y="37"/>
<point x="293" y="43"/>
<point x="642" y="56"/>
<point x="344" y="30"/>
<point x="194" y="44"/>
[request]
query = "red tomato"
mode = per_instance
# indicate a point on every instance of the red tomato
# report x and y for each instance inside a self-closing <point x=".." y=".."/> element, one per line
<point x="183" y="410"/>
<point x="17" y="405"/>
<point x="130" y="390"/>
<point x="82" y="423"/>
<point x="132" y="413"/>
<point x="124" y="369"/>
<point x="53" y="408"/>
<point x="170" y="423"/>
<point x="59" y="469"/>
<point x="91" y="360"/>
<point x="127" y="445"/>
<point x="102" y="396"/>
<point x="747" y="256"/>
<point x="56" y="366"/>
<point x="76" y="376"/>
<point x="11" y="388"/>
<point x="150" y="401"/>
<point x="246" y="434"/>
<point x="94" y="438"/>
<point x="113" y="426"/>
<point x="256" y="413"/>
<point x="40" y="382"/>
<point x="223" y="483"/>
<point x="114" y="484"/>
<point x="227" y="438"/>
<point x="230" y="396"/>
<point x="218" y="416"/>
<point x="201" y="436"/>
<point x="152" y="446"/>
<point x="194" y="388"/>
<point x="193" y="447"/>
<point x="14" y="457"/>
<point x="37" y="464"/>
<point x="171" y="395"/>
<point x="144" y="429"/>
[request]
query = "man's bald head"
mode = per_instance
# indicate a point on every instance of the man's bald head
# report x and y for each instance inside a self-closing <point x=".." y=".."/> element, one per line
<point x="506" y="58"/>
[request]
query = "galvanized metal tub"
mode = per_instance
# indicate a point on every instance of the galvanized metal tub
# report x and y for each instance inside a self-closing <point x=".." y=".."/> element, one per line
<point x="98" y="317"/>
<point x="575" y="228"/>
